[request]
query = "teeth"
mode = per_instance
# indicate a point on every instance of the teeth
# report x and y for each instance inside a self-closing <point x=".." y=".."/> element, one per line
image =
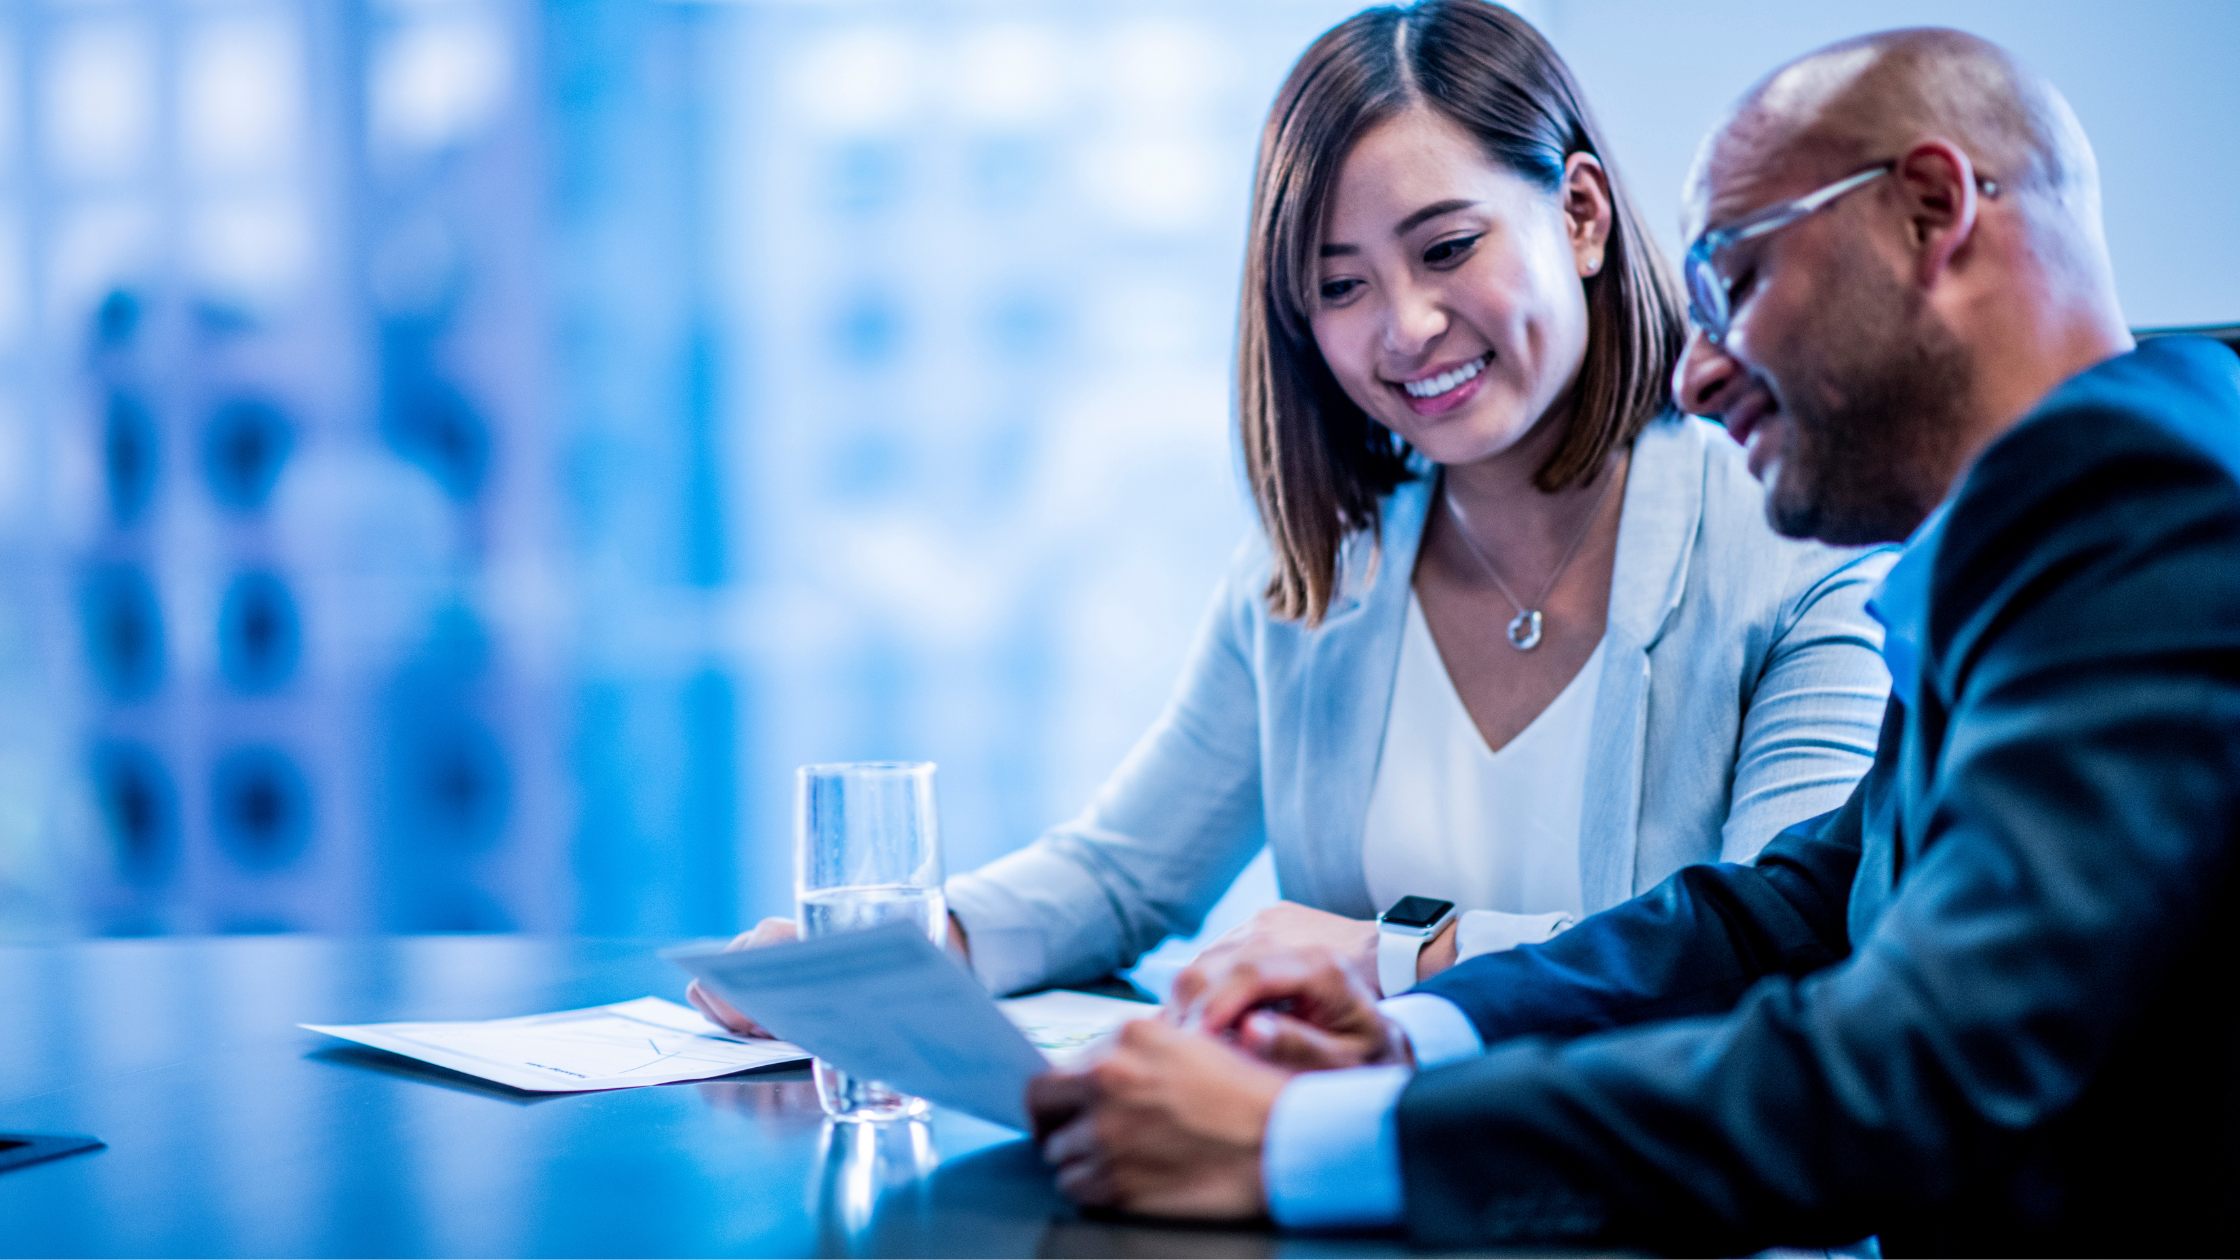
<point x="1433" y="386"/>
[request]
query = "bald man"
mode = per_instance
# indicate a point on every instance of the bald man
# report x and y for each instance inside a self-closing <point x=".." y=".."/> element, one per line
<point x="1987" y="1006"/>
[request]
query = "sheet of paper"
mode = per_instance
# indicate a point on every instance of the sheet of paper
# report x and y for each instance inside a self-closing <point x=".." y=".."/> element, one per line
<point x="886" y="1003"/>
<point x="645" y="1042"/>
<point x="1064" y="1025"/>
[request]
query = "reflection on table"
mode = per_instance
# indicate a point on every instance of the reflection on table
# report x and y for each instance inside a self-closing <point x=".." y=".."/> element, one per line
<point x="233" y="1132"/>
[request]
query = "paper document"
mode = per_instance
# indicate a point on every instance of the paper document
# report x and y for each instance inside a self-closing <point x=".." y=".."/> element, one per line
<point x="1062" y="1024"/>
<point x="887" y="1004"/>
<point x="645" y="1042"/>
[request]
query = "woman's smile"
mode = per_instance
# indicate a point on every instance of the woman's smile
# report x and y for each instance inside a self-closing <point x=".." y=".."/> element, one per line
<point x="1445" y="388"/>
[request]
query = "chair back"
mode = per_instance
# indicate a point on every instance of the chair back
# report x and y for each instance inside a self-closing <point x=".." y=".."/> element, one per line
<point x="2229" y="334"/>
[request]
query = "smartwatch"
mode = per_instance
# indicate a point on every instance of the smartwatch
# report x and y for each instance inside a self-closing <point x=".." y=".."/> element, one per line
<point x="1402" y="932"/>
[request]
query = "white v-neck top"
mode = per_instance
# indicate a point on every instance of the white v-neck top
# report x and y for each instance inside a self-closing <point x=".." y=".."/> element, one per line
<point x="1489" y="831"/>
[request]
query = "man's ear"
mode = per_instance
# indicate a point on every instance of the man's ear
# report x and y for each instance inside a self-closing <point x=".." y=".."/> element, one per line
<point x="1938" y="183"/>
<point x="1587" y="210"/>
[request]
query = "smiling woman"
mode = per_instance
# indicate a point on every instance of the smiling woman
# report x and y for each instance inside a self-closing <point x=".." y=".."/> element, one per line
<point x="1455" y="339"/>
<point x="1477" y="93"/>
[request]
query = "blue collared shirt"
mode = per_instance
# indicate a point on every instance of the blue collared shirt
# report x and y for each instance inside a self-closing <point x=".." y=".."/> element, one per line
<point x="1901" y="604"/>
<point x="1332" y="1155"/>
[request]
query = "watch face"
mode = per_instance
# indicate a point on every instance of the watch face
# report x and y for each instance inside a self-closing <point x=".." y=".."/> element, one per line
<point x="1416" y="912"/>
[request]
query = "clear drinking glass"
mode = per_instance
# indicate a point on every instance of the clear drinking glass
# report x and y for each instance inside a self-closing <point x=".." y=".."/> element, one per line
<point x="867" y="851"/>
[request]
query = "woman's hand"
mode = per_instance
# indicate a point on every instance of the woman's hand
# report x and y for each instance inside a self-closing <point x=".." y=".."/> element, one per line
<point x="767" y="932"/>
<point x="1289" y="925"/>
<point x="1299" y="1009"/>
<point x="1284" y="926"/>
<point x="779" y="932"/>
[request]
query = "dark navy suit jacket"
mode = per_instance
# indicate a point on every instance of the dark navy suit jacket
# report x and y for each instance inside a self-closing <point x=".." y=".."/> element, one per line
<point x="1991" y="1005"/>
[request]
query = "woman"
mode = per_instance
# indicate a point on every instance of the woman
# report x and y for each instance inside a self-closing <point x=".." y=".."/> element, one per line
<point x="1516" y="636"/>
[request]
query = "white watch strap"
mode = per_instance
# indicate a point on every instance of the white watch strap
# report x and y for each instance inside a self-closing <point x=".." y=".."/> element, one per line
<point x="1396" y="961"/>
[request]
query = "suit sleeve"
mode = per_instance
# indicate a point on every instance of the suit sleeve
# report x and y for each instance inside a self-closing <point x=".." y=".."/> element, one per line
<point x="1690" y="945"/>
<point x="2084" y="792"/>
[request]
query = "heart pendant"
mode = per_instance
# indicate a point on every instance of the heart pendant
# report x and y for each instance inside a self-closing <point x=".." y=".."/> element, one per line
<point x="1524" y="632"/>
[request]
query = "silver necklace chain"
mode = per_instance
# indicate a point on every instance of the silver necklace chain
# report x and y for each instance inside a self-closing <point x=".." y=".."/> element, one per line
<point x="1524" y="629"/>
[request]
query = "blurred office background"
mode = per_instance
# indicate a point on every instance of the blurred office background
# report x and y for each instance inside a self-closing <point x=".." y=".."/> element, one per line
<point x="458" y="456"/>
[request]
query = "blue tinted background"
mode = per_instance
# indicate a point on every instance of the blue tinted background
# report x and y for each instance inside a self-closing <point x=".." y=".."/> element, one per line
<point x="457" y="456"/>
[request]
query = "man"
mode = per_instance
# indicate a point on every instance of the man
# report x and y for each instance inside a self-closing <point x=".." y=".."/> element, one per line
<point x="1987" y="1005"/>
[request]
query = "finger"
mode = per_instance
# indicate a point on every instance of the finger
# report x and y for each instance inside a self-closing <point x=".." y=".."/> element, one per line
<point x="731" y="1017"/>
<point x="699" y="1002"/>
<point x="1190" y="983"/>
<point x="1087" y="1182"/>
<point x="1132" y="1042"/>
<point x="1333" y="997"/>
<point x="1083" y="1174"/>
<point x="723" y="1012"/>
<point x="1251" y="982"/>
<point x="771" y="932"/>
<point x="1296" y="1044"/>
<point x="726" y="1014"/>
<point x="1206" y="972"/>
<point x="1311" y="984"/>
<point x="1258" y="1032"/>
<point x="1054" y="1098"/>
<point x="1217" y="958"/>
<point x="1073" y="1142"/>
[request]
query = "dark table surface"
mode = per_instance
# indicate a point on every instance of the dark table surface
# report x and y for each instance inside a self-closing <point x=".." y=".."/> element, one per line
<point x="231" y="1131"/>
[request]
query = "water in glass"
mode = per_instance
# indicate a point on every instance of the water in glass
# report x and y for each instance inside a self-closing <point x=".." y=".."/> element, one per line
<point x="868" y="852"/>
<point x="846" y="1096"/>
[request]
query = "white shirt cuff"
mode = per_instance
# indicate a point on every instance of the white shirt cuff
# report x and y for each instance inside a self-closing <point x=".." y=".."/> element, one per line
<point x="1006" y="959"/>
<point x="1332" y="1155"/>
<point x="1437" y="1029"/>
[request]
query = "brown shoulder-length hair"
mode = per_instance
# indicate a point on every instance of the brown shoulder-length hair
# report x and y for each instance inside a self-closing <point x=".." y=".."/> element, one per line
<point x="1319" y="466"/>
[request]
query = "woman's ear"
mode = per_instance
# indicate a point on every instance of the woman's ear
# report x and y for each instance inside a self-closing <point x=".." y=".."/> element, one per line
<point x="1587" y="210"/>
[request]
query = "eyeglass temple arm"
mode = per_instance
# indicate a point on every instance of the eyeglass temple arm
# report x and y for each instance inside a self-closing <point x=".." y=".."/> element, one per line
<point x="1805" y="205"/>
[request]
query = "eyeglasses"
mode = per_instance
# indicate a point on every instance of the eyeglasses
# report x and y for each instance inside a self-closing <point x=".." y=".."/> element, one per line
<point x="1708" y="299"/>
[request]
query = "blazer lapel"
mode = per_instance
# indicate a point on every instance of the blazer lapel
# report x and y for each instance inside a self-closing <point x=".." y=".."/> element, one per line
<point x="1656" y="535"/>
<point x="1346" y="673"/>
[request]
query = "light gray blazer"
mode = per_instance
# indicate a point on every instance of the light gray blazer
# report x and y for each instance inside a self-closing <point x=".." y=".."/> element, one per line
<point x="1741" y="692"/>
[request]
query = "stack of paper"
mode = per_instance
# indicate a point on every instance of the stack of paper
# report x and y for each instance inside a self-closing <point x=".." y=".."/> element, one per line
<point x="646" y="1042"/>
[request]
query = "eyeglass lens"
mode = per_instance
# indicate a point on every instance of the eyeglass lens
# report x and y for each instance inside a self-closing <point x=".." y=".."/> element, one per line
<point x="1707" y="296"/>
